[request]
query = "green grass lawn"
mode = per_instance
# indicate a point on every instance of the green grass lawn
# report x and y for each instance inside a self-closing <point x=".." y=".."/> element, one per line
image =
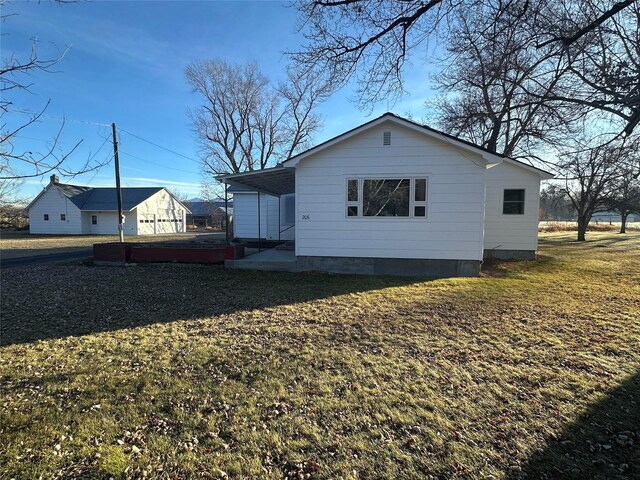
<point x="530" y="371"/>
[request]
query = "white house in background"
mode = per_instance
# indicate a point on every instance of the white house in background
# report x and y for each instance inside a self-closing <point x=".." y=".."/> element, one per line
<point x="65" y="209"/>
<point x="392" y="196"/>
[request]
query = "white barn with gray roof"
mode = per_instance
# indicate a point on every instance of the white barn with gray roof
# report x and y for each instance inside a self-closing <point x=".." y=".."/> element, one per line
<point x="64" y="209"/>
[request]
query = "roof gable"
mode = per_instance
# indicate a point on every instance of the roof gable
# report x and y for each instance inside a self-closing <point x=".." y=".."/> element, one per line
<point x="487" y="156"/>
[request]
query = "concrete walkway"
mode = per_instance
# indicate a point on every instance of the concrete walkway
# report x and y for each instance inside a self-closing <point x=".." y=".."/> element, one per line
<point x="272" y="259"/>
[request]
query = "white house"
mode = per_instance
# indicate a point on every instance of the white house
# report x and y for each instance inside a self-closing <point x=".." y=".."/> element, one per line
<point x="392" y="196"/>
<point x="73" y="210"/>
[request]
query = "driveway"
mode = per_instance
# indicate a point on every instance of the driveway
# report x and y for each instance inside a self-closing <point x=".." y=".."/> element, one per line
<point x="48" y="258"/>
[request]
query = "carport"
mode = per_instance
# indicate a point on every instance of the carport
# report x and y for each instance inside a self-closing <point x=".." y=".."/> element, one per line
<point x="276" y="181"/>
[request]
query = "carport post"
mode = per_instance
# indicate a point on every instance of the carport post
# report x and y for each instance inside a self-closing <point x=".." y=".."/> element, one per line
<point x="226" y="212"/>
<point x="259" y="222"/>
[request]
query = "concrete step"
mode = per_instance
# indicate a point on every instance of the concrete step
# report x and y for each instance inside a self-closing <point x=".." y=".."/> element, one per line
<point x="271" y="265"/>
<point x="289" y="246"/>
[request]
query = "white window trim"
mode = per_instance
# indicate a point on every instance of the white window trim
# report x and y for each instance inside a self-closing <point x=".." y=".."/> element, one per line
<point x="501" y="206"/>
<point x="412" y="202"/>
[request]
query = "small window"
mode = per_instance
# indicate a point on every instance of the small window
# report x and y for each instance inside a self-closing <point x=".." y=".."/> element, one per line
<point x="421" y="190"/>
<point x="141" y="221"/>
<point x="513" y="203"/>
<point x="94" y="219"/>
<point x="46" y="217"/>
<point x="386" y="138"/>
<point x="352" y="190"/>
<point x="63" y="217"/>
<point x="353" y="197"/>
<point x="420" y="197"/>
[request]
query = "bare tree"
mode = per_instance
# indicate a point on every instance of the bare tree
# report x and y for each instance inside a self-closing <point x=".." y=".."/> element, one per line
<point x="15" y="76"/>
<point x="599" y="43"/>
<point x="555" y="205"/>
<point x="367" y="40"/>
<point x="490" y="75"/>
<point x="624" y="193"/>
<point x="372" y="41"/>
<point x="590" y="176"/>
<point x="244" y="123"/>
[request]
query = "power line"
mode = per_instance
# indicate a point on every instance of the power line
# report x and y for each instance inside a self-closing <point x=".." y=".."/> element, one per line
<point x="158" y="164"/>
<point x="159" y="146"/>
<point x="99" y="148"/>
<point x="64" y="119"/>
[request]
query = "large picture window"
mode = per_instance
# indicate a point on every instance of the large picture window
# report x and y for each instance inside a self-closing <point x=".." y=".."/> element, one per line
<point x="386" y="197"/>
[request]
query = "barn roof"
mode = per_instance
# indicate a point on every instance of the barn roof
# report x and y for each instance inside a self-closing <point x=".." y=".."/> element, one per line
<point x="103" y="198"/>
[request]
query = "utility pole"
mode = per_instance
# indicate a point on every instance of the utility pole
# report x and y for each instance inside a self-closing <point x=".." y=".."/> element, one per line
<point x="118" y="189"/>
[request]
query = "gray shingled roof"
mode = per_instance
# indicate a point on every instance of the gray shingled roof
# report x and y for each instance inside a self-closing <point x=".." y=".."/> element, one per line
<point x="104" y="198"/>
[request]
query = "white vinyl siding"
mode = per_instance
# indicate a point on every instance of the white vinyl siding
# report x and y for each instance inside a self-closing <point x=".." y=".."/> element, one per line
<point x="162" y="213"/>
<point x="272" y="216"/>
<point x="54" y="203"/>
<point x="453" y="228"/>
<point x="511" y="231"/>
<point x="107" y="223"/>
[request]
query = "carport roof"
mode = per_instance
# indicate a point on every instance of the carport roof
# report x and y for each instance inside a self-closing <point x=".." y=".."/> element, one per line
<point x="274" y="181"/>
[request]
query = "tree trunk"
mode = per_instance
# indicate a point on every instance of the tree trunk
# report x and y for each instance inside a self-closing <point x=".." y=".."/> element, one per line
<point x="582" y="229"/>
<point x="623" y="222"/>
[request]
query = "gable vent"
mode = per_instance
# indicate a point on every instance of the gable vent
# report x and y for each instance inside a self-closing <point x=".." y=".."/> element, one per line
<point x="386" y="138"/>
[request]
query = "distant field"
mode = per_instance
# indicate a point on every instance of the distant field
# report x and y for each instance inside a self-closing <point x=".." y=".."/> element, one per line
<point x="21" y="244"/>
<point x="594" y="226"/>
<point x="531" y="371"/>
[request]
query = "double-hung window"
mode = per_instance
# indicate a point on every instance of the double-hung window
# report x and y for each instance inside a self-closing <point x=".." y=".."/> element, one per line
<point x="386" y="197"/>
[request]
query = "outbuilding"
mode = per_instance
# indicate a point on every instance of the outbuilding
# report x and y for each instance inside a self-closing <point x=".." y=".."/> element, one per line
<point x="65" y="209"/>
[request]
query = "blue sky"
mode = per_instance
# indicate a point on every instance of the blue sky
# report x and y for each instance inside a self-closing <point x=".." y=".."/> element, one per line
<point x="125" y="64"/>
